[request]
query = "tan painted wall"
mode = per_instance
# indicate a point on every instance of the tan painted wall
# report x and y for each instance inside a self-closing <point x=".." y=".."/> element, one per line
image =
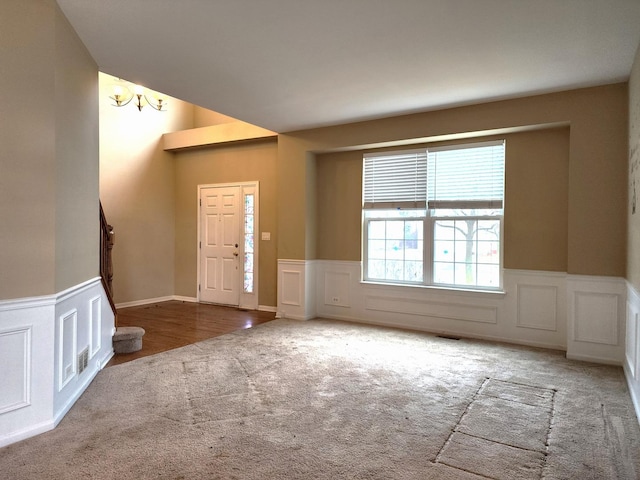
<point x="633" y="233"/>
<point x="77" y="208"/>
<point x="203" y="117"/>
<point x="535" y="236"/>
<point x="596" y="222"/>
<point x="137" y="189"/>
<point x="48" y="157"/>
<point x="255" y="161"/>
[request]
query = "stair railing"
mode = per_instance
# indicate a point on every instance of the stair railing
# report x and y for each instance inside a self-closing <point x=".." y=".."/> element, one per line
<point x="106" y="263"/>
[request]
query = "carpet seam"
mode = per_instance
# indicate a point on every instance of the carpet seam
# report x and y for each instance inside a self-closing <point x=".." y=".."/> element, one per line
<point x="479" y="392"/>
<point x="465" y="470"/>
<point x="454" y="429"/>
<point x="552" y="412"/>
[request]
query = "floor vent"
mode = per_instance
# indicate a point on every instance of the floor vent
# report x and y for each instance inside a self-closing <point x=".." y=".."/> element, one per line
<point x="83" y="360"/>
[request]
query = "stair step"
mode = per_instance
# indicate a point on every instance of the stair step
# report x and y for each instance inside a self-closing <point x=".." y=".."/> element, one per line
<point x="127" y="339"/>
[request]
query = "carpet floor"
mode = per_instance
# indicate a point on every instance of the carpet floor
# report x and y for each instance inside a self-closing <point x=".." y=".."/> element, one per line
<point x="332" y="400"/>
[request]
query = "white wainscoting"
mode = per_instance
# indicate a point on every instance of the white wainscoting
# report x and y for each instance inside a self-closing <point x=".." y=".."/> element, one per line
<point x="632" y="346"/>
<point x="297" y="289"/>
<point x="596" y="318"/>
<point x="40" y="339"/>
<point x="530" y="311"/>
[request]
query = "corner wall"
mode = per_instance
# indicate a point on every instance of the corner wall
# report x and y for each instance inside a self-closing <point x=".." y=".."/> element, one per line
<point x="632" y="350"/>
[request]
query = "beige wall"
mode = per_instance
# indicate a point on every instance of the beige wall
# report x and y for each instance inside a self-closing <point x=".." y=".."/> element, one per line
<point x="253" y="161"/>
<point x="137" y="189"/>
<point x="203" y="117"/>
<point x="633" y="233"/>
<point x="596" y="203"/>
<point x="535" y="229"/>
<point x="77" y="211"/>
<point x="48" y="153"/>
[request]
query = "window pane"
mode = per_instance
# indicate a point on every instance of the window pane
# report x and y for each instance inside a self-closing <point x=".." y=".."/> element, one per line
<point x="465" y="251"/>
<point x="444" y="230"/>
<point x="414" y="250"/>
<point x="489" y="275"/>
<point x="377" y="229"/>
<point x="395" y="249"/>
<point x="413" y="271"/>
<point x="395" y="229"/>
<point x="248" y="282"/>
<point x="443" y="273"/>
<point x="248" y="243"/>
<point x="376" y="269"/>
<point x="399" y="258"/>
<point x="248" y="223"/>
<point x="465" y="274"/>
<point x="377" y="249"/>
<point x="394" y="270"/>
<point x="443" y="251"/>
<point x="488" y="252"/>
<point x="488" y="230"/>
<point x="465" y="229"/>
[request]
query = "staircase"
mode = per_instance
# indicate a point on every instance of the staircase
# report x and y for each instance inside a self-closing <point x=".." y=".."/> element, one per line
<point x="126" y="339"/>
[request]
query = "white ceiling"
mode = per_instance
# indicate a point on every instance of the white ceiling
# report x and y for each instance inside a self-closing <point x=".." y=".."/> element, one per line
<point x="295" y="64"/>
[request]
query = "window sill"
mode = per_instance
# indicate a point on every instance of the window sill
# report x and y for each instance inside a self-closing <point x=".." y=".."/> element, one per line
<point x="438" y="289"/>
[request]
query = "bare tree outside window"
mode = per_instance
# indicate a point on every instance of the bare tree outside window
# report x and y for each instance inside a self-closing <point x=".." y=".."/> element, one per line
<point x="466" y="248"/>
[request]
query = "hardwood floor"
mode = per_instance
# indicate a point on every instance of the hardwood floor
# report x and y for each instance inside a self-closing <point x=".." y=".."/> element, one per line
<point x="174" y="324"/>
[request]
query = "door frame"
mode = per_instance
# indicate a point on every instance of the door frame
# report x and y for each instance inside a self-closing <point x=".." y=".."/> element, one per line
<point x="247" y="301"/>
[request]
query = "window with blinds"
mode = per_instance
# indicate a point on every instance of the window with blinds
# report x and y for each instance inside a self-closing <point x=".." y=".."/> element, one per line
<point x="434" y="216"/>
<point x="466" y="176"/>
<point x="395" y="180"/>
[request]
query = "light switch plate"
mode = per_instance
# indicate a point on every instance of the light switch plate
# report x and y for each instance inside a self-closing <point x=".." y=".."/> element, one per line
<point x="266" y="235"/>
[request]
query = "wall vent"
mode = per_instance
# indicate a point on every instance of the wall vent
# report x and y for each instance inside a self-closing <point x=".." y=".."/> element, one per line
<point x="83" y="360"/>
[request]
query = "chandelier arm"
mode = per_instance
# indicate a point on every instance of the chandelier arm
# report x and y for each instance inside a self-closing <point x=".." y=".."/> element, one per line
<point x="120" y="103"/>
<point x="153" y="105"/>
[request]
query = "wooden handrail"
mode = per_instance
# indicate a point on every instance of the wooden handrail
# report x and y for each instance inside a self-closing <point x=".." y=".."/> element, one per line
<point x="106" y="264"/>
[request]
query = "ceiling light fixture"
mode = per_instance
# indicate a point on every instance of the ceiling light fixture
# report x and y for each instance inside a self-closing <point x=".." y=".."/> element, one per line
<point x="122" y="95"/>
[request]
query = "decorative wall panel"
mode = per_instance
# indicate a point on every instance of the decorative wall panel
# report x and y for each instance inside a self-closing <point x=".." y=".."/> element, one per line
<point x="15" y="359"/>
<point x="291" y="287"/>
<point x="598" y="318"/>
<point x="336" y="288"/>
<point x="67" y="349"/>
<point x="537" y="307"/>
<point x="95" y="323"/>
<point x="454" y="311"/>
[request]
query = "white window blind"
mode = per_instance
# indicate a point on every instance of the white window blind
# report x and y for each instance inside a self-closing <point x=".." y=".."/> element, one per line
<point x="468" y="176"/>
<point x="395" y="180"/>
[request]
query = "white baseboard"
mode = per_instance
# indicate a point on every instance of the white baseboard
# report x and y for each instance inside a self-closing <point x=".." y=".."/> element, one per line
<point x="30" y="431"/>
<point x="180" y="298"/>
<point x="59" y="415"/>
<point x="146" y="301"/>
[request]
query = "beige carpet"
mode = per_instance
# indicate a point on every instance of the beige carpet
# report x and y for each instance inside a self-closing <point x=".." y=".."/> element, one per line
<point x="332" y="400"/>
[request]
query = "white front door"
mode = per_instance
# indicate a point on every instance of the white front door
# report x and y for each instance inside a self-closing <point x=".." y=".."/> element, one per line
<point x="220" y="263"/>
